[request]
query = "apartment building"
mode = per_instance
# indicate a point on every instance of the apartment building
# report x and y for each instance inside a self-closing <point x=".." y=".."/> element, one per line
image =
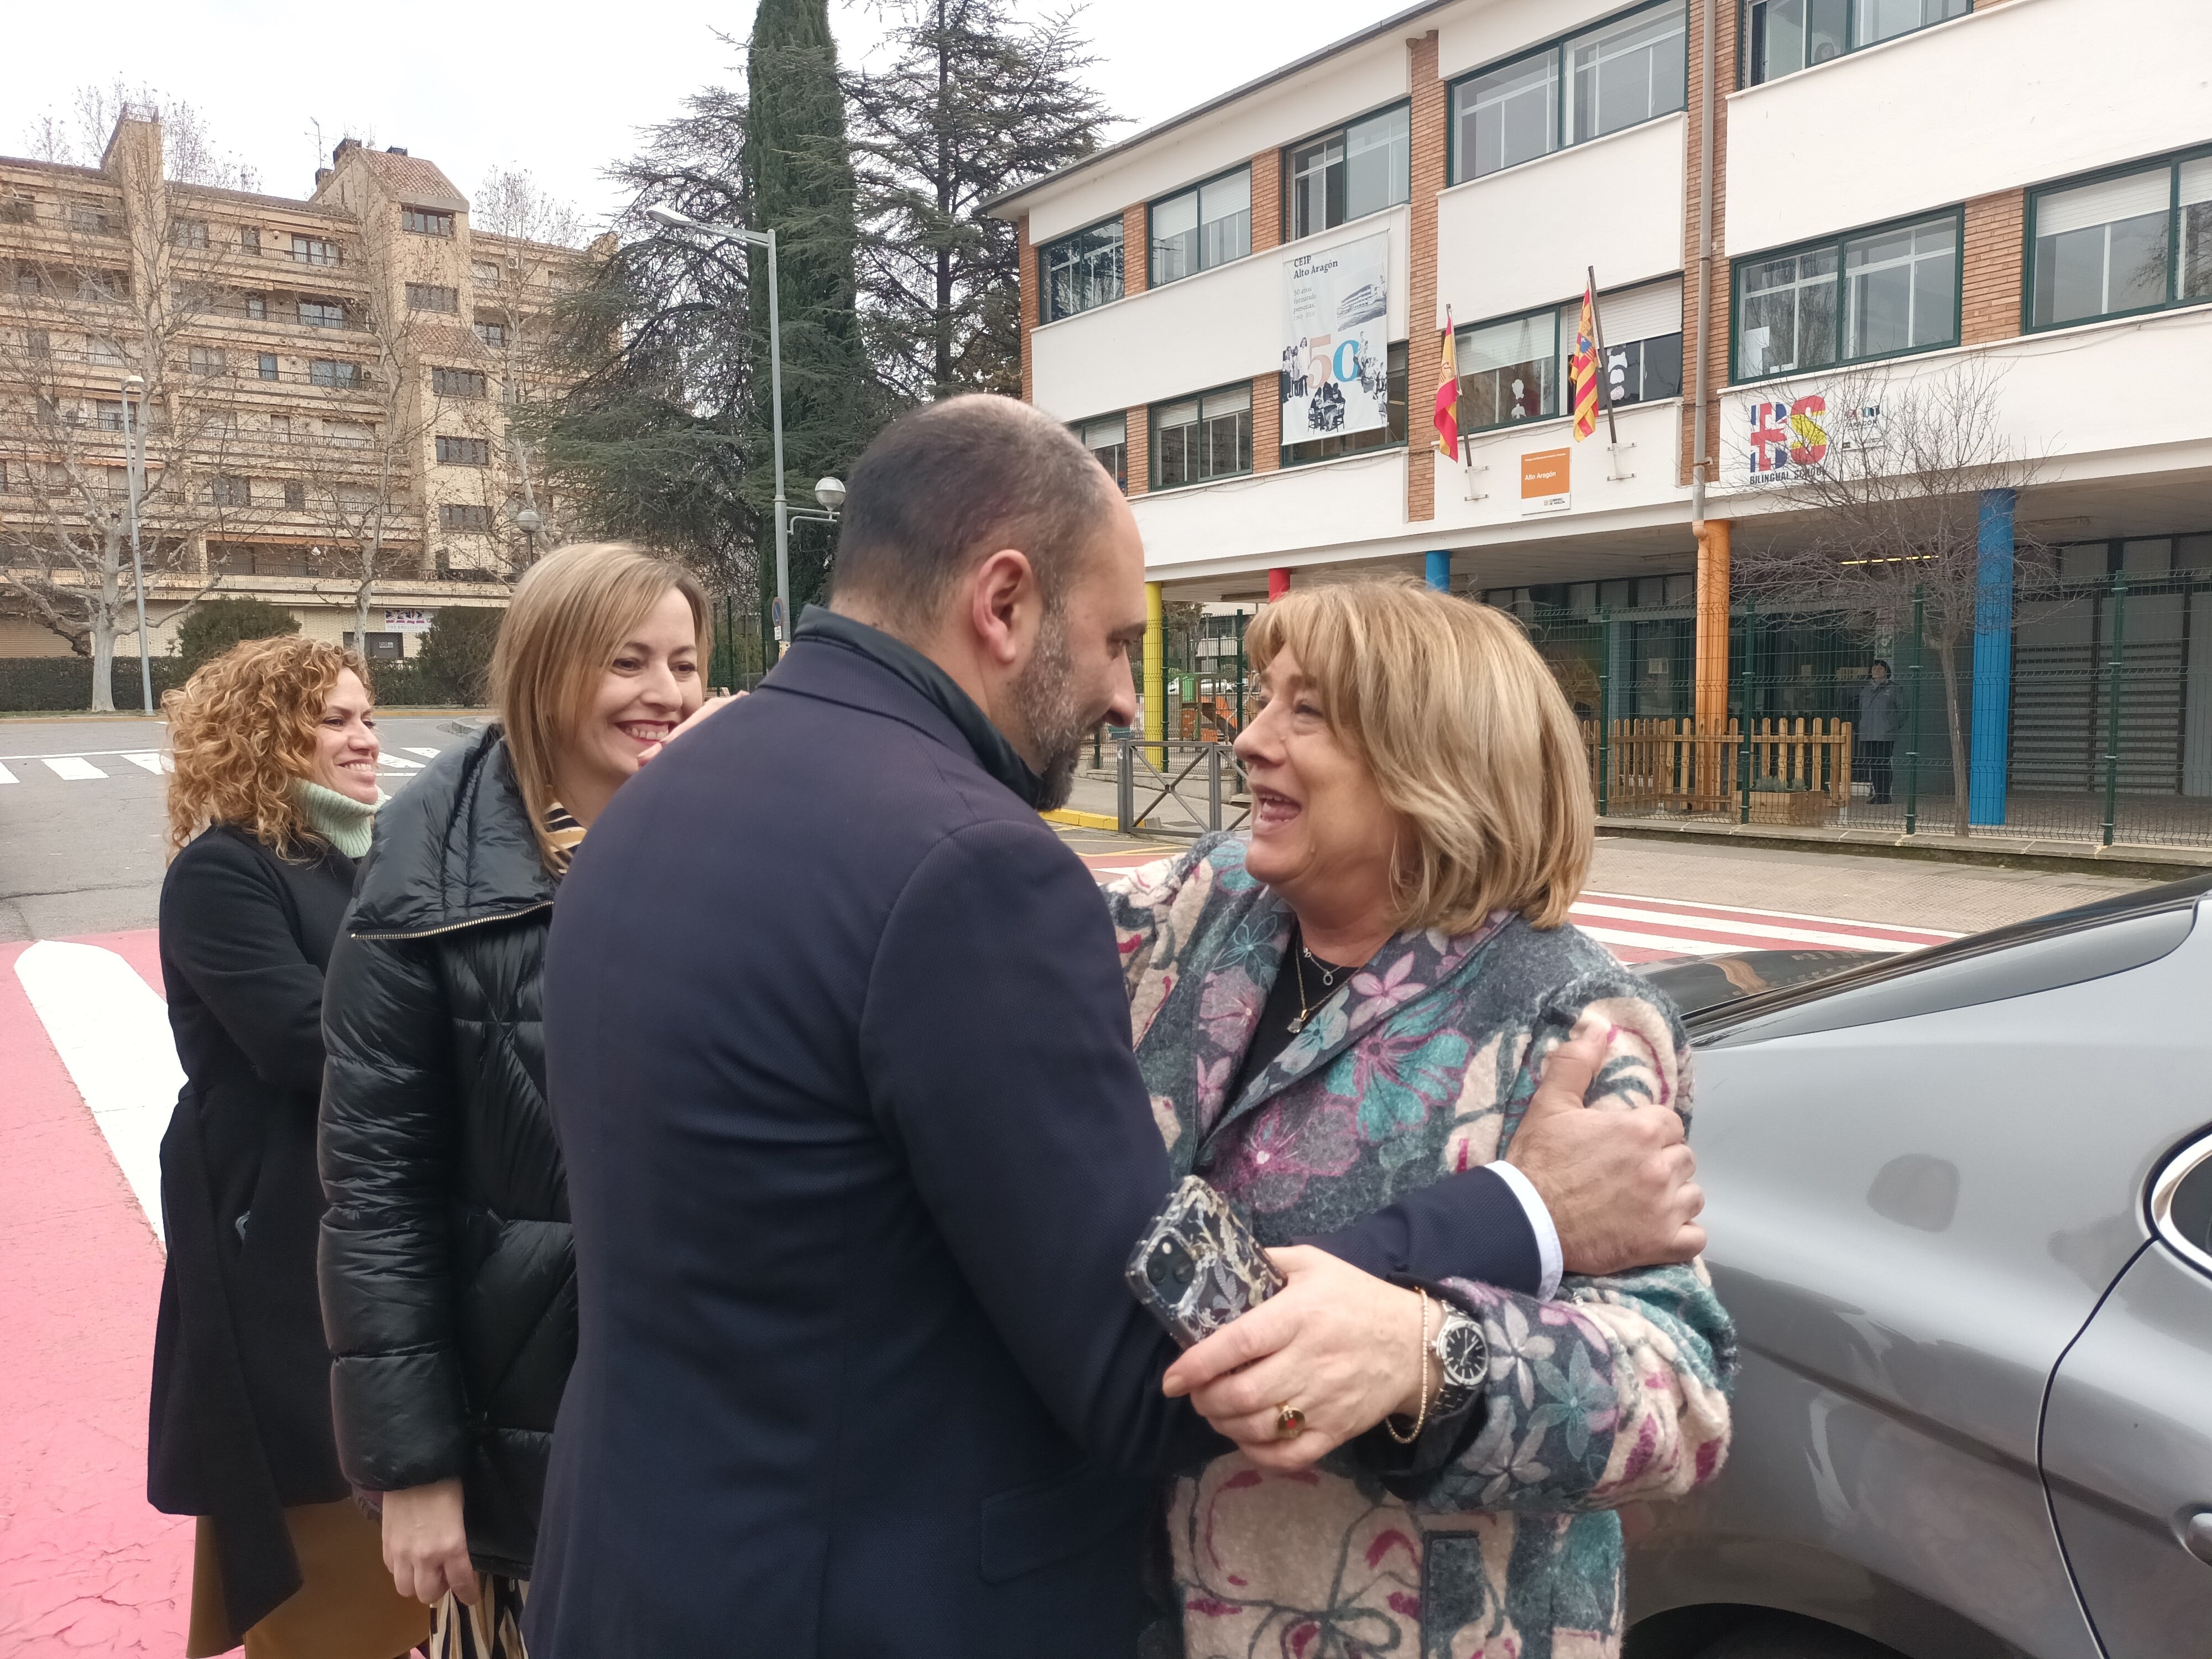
<point x="1794" y="211"/>
<point x="322" y="393"/>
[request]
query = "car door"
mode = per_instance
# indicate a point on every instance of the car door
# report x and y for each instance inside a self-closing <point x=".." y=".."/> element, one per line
<point x="2127" y="1434"/>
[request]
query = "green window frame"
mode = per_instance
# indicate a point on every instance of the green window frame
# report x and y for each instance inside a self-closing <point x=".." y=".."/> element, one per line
<point x="1083" y="269"/>
<point x="1203" y="437"/>
<point x="2106" y="217"/>
<point x="1208" y="224"/>
<point x="1844" y="293"/>
<point x="1621" y="71"/>
<point x="1389" y="437"/>
<point x="1816" y="31"/>
<point x="1107" y="438"/>
<point x="1351" y="170"/>
<point x="1497" y="355"/>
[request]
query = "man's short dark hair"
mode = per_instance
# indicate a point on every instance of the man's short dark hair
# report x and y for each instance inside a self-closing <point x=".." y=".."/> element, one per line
<point x="1883" y="664"/>
<point x="947" y="483"/>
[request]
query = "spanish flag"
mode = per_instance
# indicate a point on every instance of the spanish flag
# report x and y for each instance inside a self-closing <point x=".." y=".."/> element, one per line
<point x="1581" y="369"/>
<point x="1447" y="439"/>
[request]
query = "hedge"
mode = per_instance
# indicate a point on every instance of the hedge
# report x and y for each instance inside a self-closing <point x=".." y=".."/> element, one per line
<point x="61" y="685"/>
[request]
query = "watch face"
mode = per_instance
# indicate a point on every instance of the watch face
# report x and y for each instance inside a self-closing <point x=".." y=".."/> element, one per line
<point x="1465" y="1355"/>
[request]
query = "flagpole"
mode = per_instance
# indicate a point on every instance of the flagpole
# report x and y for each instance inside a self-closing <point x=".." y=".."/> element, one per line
<point x="1604" y="396"/>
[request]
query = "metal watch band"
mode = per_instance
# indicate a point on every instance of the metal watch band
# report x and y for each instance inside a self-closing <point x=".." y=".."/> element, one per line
<point x="1464" y="1358"/>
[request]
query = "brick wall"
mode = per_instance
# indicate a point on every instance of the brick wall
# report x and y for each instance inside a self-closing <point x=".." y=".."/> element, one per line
<point x="1266" y="200"/>
<point x="1136" y="249"/>
<point x="1140" y="449"/>
<point x="1030" y="287"/>
<point x="1267" y="422"/>
<point x="1717" y="360"/>
<point x="1422" y="351"/>
<point x="1990" y="296"/>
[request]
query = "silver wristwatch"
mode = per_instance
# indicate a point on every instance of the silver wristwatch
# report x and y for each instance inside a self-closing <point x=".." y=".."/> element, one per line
<point x="1464" y="1356"/>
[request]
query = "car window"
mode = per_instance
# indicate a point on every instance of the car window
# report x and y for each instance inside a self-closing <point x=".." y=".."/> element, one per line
<point x="2066" y="948"/>
<point x="2181" y="1205"/>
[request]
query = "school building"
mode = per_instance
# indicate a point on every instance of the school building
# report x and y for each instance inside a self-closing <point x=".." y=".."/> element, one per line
<point x="1783" y="203"/>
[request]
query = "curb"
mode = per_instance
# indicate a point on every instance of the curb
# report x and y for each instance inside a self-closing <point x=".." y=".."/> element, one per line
<point x="1075" y="820"/>
<point x="2150" y="863"/>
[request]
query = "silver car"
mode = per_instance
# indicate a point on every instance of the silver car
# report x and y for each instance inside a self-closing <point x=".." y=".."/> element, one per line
<point x="1960" y="1204"/>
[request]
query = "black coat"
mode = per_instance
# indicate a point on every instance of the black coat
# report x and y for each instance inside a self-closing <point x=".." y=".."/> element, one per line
<point x="448" y="1287"/>
<point x="240" y="1420"/>
<point x="841" y="1058"/>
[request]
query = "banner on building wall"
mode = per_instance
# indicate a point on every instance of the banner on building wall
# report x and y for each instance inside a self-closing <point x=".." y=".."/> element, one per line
<point x="406" y="622"/>
<point x="1785" y="440"/>
<point x="1336" y="343"/>
<point x="1544" y="487"/>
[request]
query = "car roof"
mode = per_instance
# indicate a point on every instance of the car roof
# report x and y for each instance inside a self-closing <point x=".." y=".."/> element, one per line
<point x="2056" y="964"/>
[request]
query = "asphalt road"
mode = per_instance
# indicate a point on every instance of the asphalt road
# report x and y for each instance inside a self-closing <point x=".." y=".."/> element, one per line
<point x="82" y="829"/>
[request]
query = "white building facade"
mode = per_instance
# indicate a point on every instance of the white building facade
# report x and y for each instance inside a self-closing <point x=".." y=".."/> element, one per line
<point x="1897" y="191"/>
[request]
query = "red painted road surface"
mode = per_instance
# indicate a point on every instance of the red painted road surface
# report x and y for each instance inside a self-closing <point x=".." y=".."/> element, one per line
<point x="86" y="1568"/>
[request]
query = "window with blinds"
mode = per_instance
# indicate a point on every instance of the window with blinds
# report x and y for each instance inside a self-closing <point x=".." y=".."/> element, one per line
<point x="2133" y="241"/>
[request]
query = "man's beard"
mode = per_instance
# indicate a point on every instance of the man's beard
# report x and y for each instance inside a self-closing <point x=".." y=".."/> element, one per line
<point x="1054" y="726"/>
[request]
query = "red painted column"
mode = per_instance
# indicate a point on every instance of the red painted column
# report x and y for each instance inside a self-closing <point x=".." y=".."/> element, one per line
<point x="1279" y="582"/>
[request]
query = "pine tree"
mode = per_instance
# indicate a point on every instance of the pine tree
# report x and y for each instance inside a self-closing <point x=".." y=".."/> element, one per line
<point x="799" y="175"/>
<point x="976" y="102"/>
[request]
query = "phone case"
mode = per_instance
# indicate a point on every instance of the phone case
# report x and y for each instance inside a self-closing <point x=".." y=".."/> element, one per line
<point x="1198" y="1266"/>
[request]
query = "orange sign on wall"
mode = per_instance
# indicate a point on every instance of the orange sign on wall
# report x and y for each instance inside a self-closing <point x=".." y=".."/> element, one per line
<point x="1544" y="481"/>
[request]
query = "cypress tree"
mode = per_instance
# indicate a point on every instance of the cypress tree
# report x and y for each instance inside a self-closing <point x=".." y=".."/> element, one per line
<point x="799" y="172"/>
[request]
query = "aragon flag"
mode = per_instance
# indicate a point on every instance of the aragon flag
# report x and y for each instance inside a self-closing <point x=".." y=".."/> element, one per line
<point x="1581" y="369"/>
<point x="1447" y="419"/>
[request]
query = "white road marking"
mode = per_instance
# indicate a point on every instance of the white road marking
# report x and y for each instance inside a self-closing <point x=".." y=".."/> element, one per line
<point x="157" y="764"/>
<point x="1749" y="931"/>
<point x="6" y="776"/>
<point x="427" y="754"/>
<point x="399" y="765"/>
<point x="75" y="767"/>
<point x="112" y="1034"/>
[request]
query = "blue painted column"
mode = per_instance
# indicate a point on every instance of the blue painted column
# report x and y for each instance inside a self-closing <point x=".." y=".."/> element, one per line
<point x="1992" y="722"/>
<point x="1440" y="572"/>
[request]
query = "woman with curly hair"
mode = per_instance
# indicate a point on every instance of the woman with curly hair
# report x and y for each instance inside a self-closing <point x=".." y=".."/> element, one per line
<point x="276" y="752"/>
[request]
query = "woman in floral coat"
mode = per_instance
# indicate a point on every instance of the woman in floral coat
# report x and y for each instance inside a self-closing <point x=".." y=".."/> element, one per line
<point x="1350" y="1004"/>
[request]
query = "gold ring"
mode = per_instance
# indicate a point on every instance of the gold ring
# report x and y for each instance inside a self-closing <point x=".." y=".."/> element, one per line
<point x="1290" y="1422"/>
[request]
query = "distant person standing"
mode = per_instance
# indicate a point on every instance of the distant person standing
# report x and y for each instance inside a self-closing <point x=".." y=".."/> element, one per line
<point x="1881" y="716"/>
<point x="448" y="1287"/>
<point x="276" y="752"/>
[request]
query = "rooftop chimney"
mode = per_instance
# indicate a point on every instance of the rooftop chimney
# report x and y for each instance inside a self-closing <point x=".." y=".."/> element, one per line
<point x="395" y="150"/>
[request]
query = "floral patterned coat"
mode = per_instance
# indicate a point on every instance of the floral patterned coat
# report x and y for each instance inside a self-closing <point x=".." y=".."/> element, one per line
<point x="1423" y="1064"/>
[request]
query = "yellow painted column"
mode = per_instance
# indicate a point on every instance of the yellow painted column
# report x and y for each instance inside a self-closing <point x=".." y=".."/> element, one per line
<point x="1710" y="675"/>
<point x="1155" y="676"/>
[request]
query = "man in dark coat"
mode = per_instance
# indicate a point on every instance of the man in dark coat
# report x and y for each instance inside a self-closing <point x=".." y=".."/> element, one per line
<point x="840" y="1060"/>
<point x="1882" y="717"/>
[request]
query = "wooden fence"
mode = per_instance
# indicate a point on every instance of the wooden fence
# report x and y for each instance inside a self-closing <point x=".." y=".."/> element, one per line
<point x="1798" y="771"/>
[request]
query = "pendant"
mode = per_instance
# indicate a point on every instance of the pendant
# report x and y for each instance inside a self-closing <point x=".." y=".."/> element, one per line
<point x="1297" y="1024"/>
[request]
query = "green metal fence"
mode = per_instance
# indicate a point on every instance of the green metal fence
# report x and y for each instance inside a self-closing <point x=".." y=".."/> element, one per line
<point x="740" y="653"/>
<point x="2107" y="736"/>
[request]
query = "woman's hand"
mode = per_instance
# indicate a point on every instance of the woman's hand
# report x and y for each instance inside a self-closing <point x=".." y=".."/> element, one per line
<point x="426" y="1545"/>
<point x="1341" y="1346"/>
<point x="700" y="713"/>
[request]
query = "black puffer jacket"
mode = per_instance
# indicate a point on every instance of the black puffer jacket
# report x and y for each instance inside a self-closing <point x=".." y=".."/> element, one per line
<point x="449" y="1289"/>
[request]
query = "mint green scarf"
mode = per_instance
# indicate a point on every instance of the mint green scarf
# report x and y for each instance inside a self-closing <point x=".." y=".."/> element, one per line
<point x="341" y="820"/>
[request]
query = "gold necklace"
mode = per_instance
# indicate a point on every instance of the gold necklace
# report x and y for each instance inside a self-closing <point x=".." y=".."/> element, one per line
<point x="1327" y="979"/>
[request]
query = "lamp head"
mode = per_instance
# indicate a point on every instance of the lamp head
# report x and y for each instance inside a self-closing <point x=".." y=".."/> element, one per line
<point x="669" y="218"/>
<point x="830" y="492"/>
<point x="134" y="383"/>
<point x="528" y="520"/>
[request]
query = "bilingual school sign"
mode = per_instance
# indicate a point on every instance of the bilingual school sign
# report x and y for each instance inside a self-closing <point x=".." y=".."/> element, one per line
<point x="1786" y="441"/>
<point x="1336" y="349"/>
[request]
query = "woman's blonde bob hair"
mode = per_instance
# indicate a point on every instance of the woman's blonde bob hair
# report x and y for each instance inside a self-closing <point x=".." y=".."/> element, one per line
<point x="570" y="613"/>
<point x="1468" y="737"/>
<point x="242" y="734"/>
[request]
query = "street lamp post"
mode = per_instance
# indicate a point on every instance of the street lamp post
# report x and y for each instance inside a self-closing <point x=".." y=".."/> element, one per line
<point x="527" y="521"/>
<point x="134" y="467"/>
<point x="766" y="239"/>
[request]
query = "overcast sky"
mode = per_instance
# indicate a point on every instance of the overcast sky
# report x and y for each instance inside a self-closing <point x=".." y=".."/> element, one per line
<point x="557" y="88"/>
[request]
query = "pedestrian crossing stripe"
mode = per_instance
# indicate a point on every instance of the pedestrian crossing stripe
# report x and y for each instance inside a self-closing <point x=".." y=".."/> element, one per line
<point x="157" y="764"/>
<point x="427" y="754"/>
<point x="74" y="768"/>
<point x="6" y="776"/>
<point x="399" y="765"/>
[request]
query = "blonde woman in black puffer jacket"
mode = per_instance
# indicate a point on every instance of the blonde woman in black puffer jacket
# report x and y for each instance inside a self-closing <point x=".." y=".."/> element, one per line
<point x="448" y="1286"/>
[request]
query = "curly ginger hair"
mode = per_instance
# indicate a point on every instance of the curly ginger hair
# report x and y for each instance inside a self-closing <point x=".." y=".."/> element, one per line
<point x="243" y="733"/>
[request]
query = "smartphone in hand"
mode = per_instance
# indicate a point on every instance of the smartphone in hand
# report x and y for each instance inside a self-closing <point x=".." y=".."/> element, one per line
<point x="1198" y="1266"/>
